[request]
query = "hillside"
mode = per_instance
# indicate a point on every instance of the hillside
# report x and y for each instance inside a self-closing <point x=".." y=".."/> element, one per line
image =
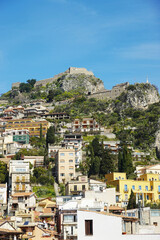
<point x="134" y="114"/>
<point x="72" y="82"/>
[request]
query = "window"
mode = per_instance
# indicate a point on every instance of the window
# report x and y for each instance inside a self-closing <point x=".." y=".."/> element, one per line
<point x="62" y="168"/>
<point x="140" y="188"/>
<point x="20" y="199"/>
<point x="62" y="154"/>
<point x="89" y="227"/>
<point x="155" y="224"/>
<point x="133" y="187"/>
<point x="83" y="187"/>
<point x="70" y="160"/>
<point x="70" y="154"/>
<point x="126" y="197"/>
<point x="71" y="174"/>
<point x="147" y="197"/>
<point x="146" y="188"/>
<point x="117" y="198"/>
<point x="62" y="161"/>
<point x="159" y="188"/>
<point x="125" y="187"/>
<point x="75" y="187"/>
<point x="23" y="179"/>
<point x="68" y="218"/>
<point x="71" y="168"/>
<point x="62" y="174"/>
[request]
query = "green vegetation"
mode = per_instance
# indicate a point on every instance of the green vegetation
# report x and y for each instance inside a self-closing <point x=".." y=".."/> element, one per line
<point x="99" y="161"/>
<point x="44" y="191"/>
<point x="153" y="205"/>
<point x="42" y="176"/>
<point x="27" y="87"/>
<point x="29" y="152"/>
<point x="50" y="137"/>
<point x="62" y="189"/>
<point x="3" y="172"/>
<point x="132" y="201"/>
<point x="125" y="160"/>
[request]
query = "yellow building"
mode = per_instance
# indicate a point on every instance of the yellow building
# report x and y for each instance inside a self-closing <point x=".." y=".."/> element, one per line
<point x="28" y="124"/>
<point x="147" y="188"/>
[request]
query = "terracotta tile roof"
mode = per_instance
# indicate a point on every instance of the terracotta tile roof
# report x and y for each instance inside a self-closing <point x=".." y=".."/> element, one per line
<point x="115" y="208"/>
<point x="47" y="210"/>
<point x="51" y="205"/>
<point x="23" y="194"/>
<point x="3" y="230"/>
<point x="114" y="215"/>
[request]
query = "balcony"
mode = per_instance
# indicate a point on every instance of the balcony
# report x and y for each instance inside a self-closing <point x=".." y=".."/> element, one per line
<point x="125" y="190"/>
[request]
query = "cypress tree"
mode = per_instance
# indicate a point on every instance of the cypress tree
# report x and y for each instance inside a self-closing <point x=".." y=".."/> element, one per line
<point x="132" y="201"/>
<point x="50" y="137"/>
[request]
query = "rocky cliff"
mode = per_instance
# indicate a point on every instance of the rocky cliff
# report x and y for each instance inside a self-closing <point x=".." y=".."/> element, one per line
<point x="138" y="96"/>
<point x="89" y="83"/>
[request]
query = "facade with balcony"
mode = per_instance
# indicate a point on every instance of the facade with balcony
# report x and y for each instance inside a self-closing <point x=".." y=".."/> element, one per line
<point x="21" y="203"/>
<point x="77" y="186"/>
<point x="74" y="141"/>
<point x="19" y="176"/>
<point x="29" y="124"/>
<point x="86" y="125"/>
<point x="146" y="189"/>
<point x="65" y="165"/>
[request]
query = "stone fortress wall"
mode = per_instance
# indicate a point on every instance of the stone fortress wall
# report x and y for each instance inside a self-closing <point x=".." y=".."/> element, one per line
<point x="101" y="95"/>
<point x="110" y="94"/>
<point x="71" y="70"/>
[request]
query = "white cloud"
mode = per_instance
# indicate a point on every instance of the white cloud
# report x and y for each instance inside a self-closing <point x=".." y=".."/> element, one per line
<point x="147" y="51"/>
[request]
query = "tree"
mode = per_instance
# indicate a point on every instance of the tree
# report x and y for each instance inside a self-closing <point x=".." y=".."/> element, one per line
<point x="38" y="172"/>
<point x="50" y="137"/>
<point x="132" y="201"/>
<point x="95" y="166"/>
<point x="3" y="172"/>
<point x="25" y="87"/>
<point x="107" y="164"/>
<point x="41" y="133"/>
<point x="125" y="163"/>
<point x="31" y="82"/>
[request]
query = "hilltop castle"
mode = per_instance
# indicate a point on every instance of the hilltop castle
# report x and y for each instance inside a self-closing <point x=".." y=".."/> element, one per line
<point x="98" y="92"/>
<point x="71" y="70"/>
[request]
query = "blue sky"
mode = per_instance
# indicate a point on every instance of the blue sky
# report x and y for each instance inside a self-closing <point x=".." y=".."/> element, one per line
<point x="119" y="40"/>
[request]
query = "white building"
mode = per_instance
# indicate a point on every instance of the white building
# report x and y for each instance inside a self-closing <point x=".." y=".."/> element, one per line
<point x="103" y="226"/>
<point x="96" y="185"/>
<point x="21" y="203"/>
<point x="67" y="217"/>
<point x="3" y="198"/>
<point x="19" y="176"/>
<point x="154" y="169"/>
<point x="108" y="196"/>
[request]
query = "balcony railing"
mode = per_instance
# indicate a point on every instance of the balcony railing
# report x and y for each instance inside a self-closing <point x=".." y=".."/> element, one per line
<point x="125" y="190"/>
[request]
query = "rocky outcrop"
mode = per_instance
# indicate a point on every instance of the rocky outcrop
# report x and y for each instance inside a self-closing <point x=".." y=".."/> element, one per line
<point x="89" y="83"/>
<point x="139" y="96"/>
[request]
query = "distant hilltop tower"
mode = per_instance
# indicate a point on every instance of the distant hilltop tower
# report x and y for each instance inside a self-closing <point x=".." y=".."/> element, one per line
<point x="147" y="80"/>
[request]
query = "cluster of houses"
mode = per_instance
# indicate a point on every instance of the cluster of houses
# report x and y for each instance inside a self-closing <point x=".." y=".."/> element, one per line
<point x="90" y="209"/>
